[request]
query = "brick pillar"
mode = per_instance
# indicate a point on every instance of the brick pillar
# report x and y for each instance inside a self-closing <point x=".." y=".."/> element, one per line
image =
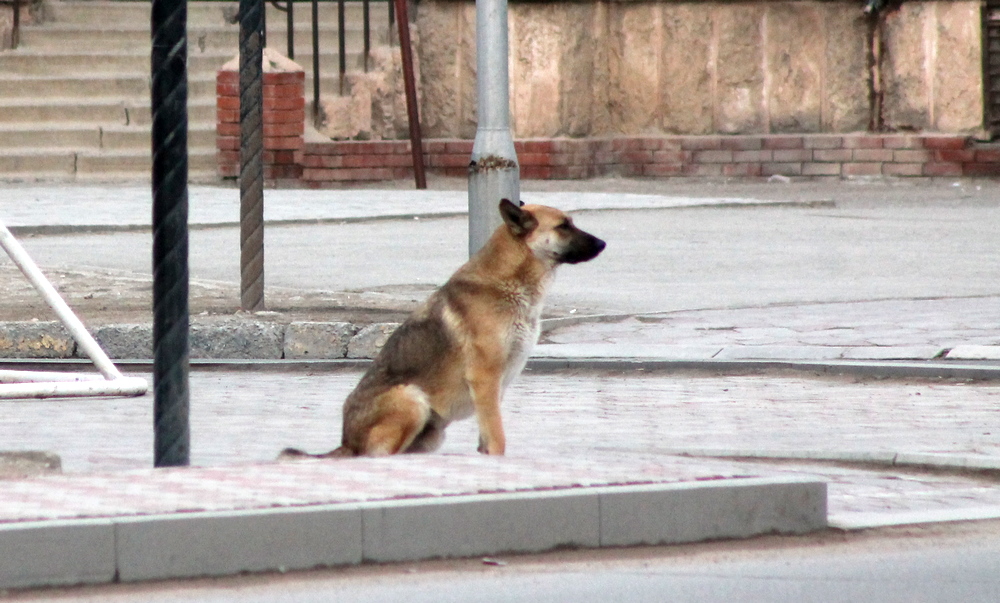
<point x="284" y="119"/>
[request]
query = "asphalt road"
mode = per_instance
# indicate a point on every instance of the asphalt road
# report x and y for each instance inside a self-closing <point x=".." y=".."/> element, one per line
<point x="943" y="563"/>
<point x="656" y="260"/>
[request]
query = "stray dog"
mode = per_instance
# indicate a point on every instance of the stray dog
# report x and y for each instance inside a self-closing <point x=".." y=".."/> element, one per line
<point x="457" y="353"/>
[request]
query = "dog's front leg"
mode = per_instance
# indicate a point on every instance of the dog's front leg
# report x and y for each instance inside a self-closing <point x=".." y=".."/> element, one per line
<point x="484" y="385"/>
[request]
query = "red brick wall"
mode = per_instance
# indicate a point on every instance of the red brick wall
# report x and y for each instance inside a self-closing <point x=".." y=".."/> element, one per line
<point x="815" y="156"/>
<point x="284" y="125"/>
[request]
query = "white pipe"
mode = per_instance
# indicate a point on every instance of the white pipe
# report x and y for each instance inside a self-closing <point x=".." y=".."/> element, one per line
<point x="62" y="310"/>
<point x="42" y="376"/>
<point x="124" y="386"/>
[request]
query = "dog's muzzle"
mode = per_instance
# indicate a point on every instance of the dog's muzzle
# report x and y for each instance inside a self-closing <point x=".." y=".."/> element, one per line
<point x="584" y="247"/>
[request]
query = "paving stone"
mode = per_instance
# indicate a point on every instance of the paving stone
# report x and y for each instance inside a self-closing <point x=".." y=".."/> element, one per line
<point x="35" y="340"/>
<point x="238" y="340"/>
<point x="370" y="339"/>
<point x="318" y="339"/>
<point x="125" y="341"/>
<point x="975" y="352"/>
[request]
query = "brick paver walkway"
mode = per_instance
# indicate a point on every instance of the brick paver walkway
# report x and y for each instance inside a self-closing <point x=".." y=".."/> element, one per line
<point x="564" y="430"/>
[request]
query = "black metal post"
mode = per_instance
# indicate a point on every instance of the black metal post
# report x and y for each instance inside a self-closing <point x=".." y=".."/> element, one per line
<point x="170" y="233"/>
<point x="252" y="155"/>
<point x="315" y="41"/>
<point x="341" y="43"/>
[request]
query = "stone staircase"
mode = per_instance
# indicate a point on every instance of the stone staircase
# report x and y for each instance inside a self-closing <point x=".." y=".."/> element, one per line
<point x="74" y="96"/>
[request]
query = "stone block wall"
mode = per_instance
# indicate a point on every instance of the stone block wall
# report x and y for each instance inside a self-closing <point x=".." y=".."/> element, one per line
<point x="585" y="69"/>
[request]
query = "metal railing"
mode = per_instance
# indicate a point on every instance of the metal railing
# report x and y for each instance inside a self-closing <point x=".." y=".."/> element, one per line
<point x="288" y="7"/>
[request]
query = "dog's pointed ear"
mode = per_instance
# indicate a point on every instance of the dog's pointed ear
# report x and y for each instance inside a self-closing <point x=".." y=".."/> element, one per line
<point x="517" y="220"/>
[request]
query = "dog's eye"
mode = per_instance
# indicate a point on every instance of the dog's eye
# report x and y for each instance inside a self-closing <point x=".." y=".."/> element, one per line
<point x="565" y="226"/>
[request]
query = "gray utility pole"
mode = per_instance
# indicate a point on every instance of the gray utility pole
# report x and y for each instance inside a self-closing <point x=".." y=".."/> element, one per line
<point x="493" y="172"/>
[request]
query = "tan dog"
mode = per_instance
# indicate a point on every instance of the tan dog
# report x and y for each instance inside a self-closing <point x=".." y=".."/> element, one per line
<point x="456" y="354"/>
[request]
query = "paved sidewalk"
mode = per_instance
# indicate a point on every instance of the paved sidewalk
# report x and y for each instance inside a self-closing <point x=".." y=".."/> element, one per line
<point x="821" y="273"/>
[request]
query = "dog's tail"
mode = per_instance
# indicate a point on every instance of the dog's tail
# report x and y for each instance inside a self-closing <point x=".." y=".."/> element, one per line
<point x="295" y="453"/>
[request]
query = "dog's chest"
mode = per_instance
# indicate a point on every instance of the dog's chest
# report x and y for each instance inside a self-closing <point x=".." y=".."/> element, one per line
<point x="522" y="334"/>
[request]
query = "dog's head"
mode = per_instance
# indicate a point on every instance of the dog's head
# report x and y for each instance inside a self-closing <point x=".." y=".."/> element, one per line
<point x="550" y="234"/>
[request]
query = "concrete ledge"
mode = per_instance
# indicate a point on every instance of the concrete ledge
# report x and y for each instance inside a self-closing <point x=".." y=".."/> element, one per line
<point x="221" y="543"/>
<point x="57" y="553"/>
<point x="35" y="340"/>
<point x="199" y="544"/>
<point x="865" y="521"/>
<point x="974" y="352"/>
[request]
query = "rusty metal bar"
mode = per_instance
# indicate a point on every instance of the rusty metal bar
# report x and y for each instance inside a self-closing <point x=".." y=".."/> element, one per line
<point x="416" y="141"/>
<point x="251" y="155"/>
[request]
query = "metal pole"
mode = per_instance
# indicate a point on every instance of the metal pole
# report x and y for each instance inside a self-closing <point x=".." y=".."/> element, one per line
<point x="493" y="170"/>
<point x="170" y="233"/>
<point x="252" y="155"/>
<point x="341" y="44"/>
<point x="410" y="85"/>
<point x="315" y="60"/>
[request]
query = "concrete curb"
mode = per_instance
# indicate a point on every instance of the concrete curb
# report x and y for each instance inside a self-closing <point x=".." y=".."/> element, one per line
<point x="233" y="339"/>
<point x="914" y="460"/>
<point x="257" y="340"/>
<point x="223" y="543"/>
<point x="873" y="369"/>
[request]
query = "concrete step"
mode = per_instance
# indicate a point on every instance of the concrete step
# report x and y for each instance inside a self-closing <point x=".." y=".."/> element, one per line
<point x="32" y="135"/>
<point x="201" y="135"/>
<point x="39" y="163"/>
<point x="89" y="85"/>
<point x="98" y="11"/>
<point x="201" y="14"/>
<point x="70" y="136"/>
<point x="24" y="89"/>
<point x="136" y="163"/>
<point x="67" y="111"/>
<point x="97" y="111"/>
<point x="66" y="64"/>
<point x="57" y="36"/>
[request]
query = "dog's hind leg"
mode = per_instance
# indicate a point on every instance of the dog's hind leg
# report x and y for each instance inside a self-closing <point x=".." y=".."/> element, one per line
<point x="432" y="436"/>
<point x="405" y="413"/>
